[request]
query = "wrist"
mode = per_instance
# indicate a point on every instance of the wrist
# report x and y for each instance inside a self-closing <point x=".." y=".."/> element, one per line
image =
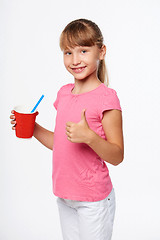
<point x="35" y="129"/>
<point x="90" y="136"/>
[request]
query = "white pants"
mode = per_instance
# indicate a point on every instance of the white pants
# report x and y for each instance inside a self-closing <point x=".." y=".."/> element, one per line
<point x="87" y="220"/>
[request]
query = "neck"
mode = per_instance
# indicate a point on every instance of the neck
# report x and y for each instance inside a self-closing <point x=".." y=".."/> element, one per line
<point x="82" y="86"/>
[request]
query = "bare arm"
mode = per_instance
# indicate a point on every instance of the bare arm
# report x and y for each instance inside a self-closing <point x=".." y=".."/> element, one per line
<point x="112" y="150"/>
<point x="44" y="136"/>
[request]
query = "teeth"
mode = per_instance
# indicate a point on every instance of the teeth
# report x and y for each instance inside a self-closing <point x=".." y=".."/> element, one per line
<point x="78" y="69"/>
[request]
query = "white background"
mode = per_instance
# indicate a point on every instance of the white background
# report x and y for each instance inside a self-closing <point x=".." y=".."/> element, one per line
<point x="31" y="64"/>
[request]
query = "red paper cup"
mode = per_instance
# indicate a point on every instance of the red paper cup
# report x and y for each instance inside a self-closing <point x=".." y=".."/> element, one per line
<point x="25" y="122"/>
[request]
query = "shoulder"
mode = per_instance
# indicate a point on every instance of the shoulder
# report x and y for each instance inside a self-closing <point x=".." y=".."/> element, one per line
<point x="107" y="91"/>
<point x="108" y="100"/>
<point x="108" y="94"/>
<point x="65" y="88"/>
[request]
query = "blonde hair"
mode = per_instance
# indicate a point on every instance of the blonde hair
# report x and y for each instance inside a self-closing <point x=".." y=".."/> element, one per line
<point x="83" y="32"/>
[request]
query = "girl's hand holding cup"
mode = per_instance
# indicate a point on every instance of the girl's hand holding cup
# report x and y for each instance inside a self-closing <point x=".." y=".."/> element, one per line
<point x="23" y="119"/>
<point x="13" y="122"/>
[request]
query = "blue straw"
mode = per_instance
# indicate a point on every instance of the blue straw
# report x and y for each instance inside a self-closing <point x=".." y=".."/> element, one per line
<point x="37" y="103"/>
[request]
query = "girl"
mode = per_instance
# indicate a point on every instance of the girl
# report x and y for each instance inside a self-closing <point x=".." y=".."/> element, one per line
<point x="88" y="134"/>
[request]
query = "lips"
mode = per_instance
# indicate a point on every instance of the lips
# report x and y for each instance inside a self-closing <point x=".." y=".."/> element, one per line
<point x="78" y="70"/>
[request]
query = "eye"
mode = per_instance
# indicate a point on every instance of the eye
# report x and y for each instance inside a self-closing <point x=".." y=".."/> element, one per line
<point x="84" y="51"/>
<point x="68" y="53"/>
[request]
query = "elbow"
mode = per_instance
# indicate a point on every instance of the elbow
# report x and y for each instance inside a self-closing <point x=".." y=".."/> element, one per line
<point x="119" y="158"/>
<point x="116" y="163"/>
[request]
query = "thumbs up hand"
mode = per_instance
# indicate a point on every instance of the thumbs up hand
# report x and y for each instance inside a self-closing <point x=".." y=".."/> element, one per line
<point x="78" y="132"/>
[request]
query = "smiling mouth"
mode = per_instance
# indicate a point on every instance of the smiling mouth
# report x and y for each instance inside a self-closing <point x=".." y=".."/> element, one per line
<point x="78" y="70"/>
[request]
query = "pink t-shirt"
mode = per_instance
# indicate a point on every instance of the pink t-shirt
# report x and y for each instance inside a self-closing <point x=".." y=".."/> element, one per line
<point x="78" y="172"/>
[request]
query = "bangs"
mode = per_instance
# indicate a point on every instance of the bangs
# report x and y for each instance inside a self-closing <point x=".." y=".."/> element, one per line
<point x="79" y="35"/>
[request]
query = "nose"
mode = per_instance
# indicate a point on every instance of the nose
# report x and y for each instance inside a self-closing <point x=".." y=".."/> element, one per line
<point x="76" y="59"/>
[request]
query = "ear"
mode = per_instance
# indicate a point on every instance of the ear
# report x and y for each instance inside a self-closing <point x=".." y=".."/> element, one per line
<point x="102" y="52"/>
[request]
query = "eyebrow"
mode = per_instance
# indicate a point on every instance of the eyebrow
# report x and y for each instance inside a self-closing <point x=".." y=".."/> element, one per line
<point x="67" y="50"/>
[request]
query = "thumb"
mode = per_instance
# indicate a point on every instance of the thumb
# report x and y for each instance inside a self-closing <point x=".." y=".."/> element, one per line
<point x="83" y="114"/>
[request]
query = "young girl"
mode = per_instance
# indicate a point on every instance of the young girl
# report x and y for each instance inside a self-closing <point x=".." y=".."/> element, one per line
<point x="88" y="134"/>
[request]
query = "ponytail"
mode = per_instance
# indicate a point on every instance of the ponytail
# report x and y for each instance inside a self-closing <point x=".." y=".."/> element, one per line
<point x="102" y="72"/>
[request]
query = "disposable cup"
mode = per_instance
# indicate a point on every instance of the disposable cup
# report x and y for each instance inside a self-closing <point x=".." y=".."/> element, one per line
<point x="25" y="121"/>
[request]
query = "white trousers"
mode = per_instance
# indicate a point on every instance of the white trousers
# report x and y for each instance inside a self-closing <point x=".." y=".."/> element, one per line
<point x="87" y="220"/>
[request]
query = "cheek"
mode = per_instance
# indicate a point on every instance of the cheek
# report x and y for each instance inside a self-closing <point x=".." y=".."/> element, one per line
<point x="66" y="62"/>
<point x="93" y="60"/>
<point x="94" y="64"/>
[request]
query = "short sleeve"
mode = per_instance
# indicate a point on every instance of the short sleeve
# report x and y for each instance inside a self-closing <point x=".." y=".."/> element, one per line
<point x="109" y="101"/>
<point x="55" y="104"/>
<point x="63" y="90"/>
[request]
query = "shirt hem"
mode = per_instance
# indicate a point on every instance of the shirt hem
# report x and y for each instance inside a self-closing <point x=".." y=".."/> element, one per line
<point x="84" y="199"/>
